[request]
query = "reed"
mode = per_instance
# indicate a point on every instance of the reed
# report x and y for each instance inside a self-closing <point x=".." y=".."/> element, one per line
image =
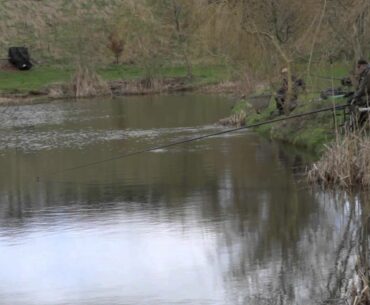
<point x="345" y="163"/>
<point x="86" y="83"/>
<point x="237" y="119"/>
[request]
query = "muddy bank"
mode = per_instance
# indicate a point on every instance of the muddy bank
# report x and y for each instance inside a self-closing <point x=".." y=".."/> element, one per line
<point x="148" y="86"/>
<point x="116" y="88"/>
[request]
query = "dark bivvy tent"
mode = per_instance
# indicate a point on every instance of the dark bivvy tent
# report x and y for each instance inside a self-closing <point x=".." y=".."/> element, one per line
<point x="20" y="58"/>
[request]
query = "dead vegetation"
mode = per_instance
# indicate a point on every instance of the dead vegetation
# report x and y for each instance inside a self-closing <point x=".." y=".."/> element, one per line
<point x="222" y="87"/>
<point x="258" y="35"/>
<point x="237" y="119"/>
<point x="86" y="83"/>
<point x="345" y="163"/>
<point x="359" y="293"/>
<point x="6" y="66"/>
<point x="150" y="86"/>
<point x="116" y="46"/>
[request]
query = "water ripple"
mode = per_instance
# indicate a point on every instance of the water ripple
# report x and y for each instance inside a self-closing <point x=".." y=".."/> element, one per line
<point x="33" y="140"/>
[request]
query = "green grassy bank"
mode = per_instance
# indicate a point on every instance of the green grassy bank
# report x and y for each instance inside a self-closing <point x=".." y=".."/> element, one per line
<point x="310" y="132"/>
<point x="42" y="76"/>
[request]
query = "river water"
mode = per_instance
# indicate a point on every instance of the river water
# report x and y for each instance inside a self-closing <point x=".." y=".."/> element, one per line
<point x="227" y="220"/>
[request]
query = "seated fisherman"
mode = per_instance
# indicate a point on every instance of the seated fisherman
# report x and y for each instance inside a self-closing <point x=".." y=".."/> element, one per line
<point x="361" y="97"/>
<point x="282" y="95"/>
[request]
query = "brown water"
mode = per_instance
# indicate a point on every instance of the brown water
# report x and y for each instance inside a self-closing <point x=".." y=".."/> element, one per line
<point x="228" y="220"/>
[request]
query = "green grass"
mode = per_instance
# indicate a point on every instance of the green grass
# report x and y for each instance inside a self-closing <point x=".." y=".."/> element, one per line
<point x="310" y="132"/>
<point x="39" y="77"/>
<point x="33" y="79"/>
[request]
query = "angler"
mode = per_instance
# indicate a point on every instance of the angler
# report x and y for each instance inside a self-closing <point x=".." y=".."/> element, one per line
<point x="283" y="97"/>
<point x="360" y="99"/>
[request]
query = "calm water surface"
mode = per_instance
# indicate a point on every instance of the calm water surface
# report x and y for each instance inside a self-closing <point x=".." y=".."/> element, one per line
<point x="226" y="220"/>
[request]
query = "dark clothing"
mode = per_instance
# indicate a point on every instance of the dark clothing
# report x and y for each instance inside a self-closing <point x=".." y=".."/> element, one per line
<point x="362" y="93"/>
<point x="361" y="98"/>
<point x="346" y="81"/>
<point x="282" y="94"/>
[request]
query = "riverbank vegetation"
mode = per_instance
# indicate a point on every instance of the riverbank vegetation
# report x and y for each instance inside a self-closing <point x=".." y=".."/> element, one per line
<point x="40" y="79"/>
<point x="310" y="132"/>
<point x="343" y="154"/>
<point x="345" y="163"/>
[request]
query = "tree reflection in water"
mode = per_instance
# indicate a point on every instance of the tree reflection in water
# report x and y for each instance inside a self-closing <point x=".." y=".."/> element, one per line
<point x="261" y="235"/>
<point x="294" y="255"/>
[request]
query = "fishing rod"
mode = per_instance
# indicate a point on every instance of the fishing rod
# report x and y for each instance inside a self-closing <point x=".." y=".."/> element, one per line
<point x="258" y="96"/>
<point x="153" y="148"/>
<point x="326" y="77"/>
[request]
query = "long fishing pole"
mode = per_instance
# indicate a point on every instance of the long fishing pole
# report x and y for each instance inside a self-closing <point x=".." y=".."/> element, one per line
<point x="153" y="148"/>
<point x="258" y="96"/>
<point x="326" y="77"/>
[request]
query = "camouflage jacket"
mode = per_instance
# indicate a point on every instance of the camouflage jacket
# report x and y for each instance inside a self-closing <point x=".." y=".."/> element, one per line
<point x="363" y="88"/>
<point x="297" y="83"/>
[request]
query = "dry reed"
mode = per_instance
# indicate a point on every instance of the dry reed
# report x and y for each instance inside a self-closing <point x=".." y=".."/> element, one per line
<point x="86" y="83"/>
<point x="358" y="292"/>
<point x="345" y="163"/>
<point x="237" y="119"/>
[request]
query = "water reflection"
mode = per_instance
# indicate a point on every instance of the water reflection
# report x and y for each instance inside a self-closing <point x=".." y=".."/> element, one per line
<point x="223" y="221"/>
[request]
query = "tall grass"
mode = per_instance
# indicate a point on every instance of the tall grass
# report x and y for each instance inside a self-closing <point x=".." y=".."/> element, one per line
<point x="236" y="119"/>
<point x="345" y="163"/>
<point x="87" y="83"/>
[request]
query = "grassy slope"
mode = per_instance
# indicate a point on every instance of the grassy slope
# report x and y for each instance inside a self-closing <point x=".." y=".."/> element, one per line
<point x="23" y="81"/>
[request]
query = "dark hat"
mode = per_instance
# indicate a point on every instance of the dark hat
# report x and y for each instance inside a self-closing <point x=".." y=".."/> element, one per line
<point x="362" y="62"/>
